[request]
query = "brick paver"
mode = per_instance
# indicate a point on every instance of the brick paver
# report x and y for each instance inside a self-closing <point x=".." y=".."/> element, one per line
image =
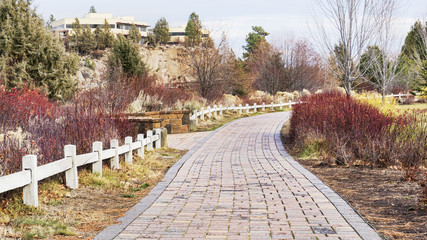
<point x="185" y="141"/>
<point x="240" y="184"/>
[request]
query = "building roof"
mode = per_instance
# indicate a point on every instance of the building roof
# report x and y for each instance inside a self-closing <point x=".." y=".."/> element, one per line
<point x="99" y="18"/>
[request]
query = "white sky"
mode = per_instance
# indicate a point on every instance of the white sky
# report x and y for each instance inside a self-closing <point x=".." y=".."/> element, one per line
<point x="235" y="17"/>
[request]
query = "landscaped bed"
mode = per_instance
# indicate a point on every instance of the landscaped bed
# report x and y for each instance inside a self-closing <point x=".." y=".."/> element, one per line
<point x="375" y="186"/>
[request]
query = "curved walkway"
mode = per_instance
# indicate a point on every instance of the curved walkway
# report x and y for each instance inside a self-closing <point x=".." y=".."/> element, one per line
<point x="239" y="183"/>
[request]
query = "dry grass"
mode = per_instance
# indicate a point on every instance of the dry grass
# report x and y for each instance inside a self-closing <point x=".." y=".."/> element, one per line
<point x="82" y="213"/>
<point x="414" y="106"/>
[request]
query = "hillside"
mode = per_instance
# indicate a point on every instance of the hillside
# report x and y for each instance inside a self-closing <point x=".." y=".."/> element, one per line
<point x="164" y="62"/>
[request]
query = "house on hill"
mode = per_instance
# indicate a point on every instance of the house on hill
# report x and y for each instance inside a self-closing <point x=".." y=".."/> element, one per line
<point x="118" y="25"/>
<point x="178" y="34"/>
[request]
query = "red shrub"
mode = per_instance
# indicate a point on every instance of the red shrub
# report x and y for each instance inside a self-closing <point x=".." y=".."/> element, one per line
<point x="17" y="106"/>
<point x="351" y="129"/>
<point x="169" y="94"/>
<point x="410" y="130"/>
<point x="47" y="128"/>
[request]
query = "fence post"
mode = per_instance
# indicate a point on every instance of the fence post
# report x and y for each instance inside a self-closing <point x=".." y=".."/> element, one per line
<point x="71" y="177"/>
<point x="263" y="107"/>
<point x="97" y="166"/>
<point x="164" y="137"/>
<point x="30" y="192"/>
<point x="247" y="108"/>
<point x="203" y="114"/>
<point x="114" y="162"/>
<point x="254" y="107"/>
<point x="141" y="149"/>
<point x="150" y="140"/>
<point x="209" y="112"/>
<point x="290" y="104"/>
<point x="233" y="108"/>
<point x="220" y="110"/>
<point x="240" y="109"/>
<point x="272" y="107"/>
<point x="216" y="110"/>
<point x="158" y="142"/>
<point x="281" y="105"/>
<point x="128" y="155"/>
<point x="195" y="115"/>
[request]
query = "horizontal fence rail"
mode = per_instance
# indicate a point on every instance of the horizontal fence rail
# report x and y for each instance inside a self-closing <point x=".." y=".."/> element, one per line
<point x="31" y="174"/>
<point x="209" y="112"/>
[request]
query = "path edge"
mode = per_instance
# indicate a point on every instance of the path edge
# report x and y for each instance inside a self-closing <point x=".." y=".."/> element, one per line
<point x="351" y="215"/>
<point x="114" y="230"/>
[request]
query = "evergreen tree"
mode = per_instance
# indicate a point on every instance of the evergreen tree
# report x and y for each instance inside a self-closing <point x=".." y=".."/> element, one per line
<point x="92" y="9"/>
<point x="32" y="55"/>
<point x="104" y="37"/>
<point x="134" y="34"/>
<point x="76" y="35"/>
<point x="193" y="30"/>
<point x="50" y="21"/>
<point x="414" y="52"/>
<point x="82" y="40"/>
<point x="414" y="46"/>
<point x="151" y="40"/>
<point x="125" y="58"/>
<point x="253" y="40"/>
<point x="161" y="31"/>
<point x="88" y="42"/>
<point x="422" y="84"/>
<point x="368" y="67"/>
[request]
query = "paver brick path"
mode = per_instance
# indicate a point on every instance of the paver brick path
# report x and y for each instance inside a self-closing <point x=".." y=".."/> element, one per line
<point x="239" y="183"/>
<point x="185" y="141"/>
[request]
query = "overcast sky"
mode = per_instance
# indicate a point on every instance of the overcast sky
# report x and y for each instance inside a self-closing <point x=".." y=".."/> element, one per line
<point x="235" y="17"/>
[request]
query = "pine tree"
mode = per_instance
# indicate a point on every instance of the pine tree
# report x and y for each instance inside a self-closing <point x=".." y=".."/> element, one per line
<point x="161" y="31"/>
<point x="193" y="30"/>
<point x="82" y="39"/>
<point x="134" y="34"/>
<point x="125" y="58"/>
<point x="75" y="37"/>
<point x="50" y="21"/>
<point x="104" y="37"/>
<point x="422" y="84"/>
<point x="92" y="9"/>
<point x="254" y="39"/>
<point x="414" y="43"/>
<point x="32" y="55"/>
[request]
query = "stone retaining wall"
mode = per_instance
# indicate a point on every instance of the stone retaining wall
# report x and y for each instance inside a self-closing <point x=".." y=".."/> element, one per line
<point x="173" y="121"/>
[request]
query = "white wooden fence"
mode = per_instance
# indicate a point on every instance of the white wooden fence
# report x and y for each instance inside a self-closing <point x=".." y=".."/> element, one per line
<point x="218" y="110"/>
<point x="31" y="174"/>
<point x="400" y="95"/>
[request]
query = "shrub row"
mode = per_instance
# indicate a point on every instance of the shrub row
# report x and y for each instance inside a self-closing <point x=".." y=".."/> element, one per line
<point x="350" y="131"/>
<point x="32" y="124"/>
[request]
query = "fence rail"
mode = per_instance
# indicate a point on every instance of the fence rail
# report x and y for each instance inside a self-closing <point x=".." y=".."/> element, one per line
<point x="218" y="110"/>
<point x="31" y="174"/>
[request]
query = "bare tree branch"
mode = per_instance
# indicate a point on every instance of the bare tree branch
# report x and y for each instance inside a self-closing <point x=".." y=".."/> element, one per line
<point x="356" y="24"/>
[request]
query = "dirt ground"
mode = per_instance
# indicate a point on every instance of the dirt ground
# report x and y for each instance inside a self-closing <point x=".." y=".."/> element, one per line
<point x="388" y="202"/>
